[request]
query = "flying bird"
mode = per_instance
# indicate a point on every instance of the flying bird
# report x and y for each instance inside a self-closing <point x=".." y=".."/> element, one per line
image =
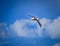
<point x="36" y="19"/>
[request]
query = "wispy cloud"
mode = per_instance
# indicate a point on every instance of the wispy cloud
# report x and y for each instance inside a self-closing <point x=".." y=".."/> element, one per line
<point x="29" y="28"/>
<point x="6" y="32"/>
<point x="52" y="28"/>
<point x="21" y="28"/>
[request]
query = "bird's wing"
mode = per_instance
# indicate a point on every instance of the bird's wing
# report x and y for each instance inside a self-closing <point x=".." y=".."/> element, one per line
<point x="31" y="16"/>
<point x="39" y="23"/>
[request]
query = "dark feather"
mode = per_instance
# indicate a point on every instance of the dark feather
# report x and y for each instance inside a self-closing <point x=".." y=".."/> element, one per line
<point x="39" y="23"/>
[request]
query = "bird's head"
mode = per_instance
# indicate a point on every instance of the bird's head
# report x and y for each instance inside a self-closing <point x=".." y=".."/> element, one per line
<point x="33" y="18"/>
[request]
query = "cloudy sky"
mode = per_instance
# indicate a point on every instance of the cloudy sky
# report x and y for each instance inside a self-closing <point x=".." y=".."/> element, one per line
<point x="16" y="22"/>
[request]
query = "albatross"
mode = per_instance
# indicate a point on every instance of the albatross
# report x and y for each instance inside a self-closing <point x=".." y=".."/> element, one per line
<point x="36" y="19"/>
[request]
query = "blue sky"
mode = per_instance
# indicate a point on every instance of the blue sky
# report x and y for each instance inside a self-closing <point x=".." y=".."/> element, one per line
<point x="21" y="9"/>
<point x="15" y="20"/>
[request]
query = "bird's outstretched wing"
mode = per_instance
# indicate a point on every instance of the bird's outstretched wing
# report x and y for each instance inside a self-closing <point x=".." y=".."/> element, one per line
<point x="33" y="18"/>
<point x="39" y="23"/>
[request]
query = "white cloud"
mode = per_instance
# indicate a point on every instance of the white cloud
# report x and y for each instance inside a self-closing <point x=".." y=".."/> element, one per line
<point x="57" y="44"/>
<point x="20" y="26"/>
<point x="5" y="32"/>
<point x="52" y="28"/>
